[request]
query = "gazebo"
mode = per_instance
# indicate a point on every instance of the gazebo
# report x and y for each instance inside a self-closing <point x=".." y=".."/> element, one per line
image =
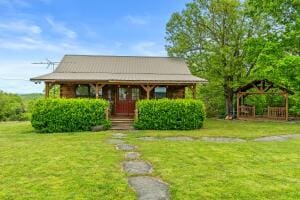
<point x="262" y="87"/>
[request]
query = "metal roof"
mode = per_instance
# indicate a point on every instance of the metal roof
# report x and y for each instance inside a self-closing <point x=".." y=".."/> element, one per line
<point x="120" y="68"/>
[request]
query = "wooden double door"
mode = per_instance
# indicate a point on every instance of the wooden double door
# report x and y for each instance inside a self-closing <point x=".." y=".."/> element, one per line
<point x="126" y="98"/>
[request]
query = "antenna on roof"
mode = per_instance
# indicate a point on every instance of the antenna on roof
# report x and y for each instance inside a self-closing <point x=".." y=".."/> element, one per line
<point x="48" y="63"/>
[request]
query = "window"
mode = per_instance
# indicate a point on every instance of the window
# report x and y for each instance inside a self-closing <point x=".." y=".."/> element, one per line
<point x="135" y="93"/>
<point x="87" y="91"/>
<point x="83" y="91"/>
<point x="160" y="92"/>
<point x="123" y="92"/>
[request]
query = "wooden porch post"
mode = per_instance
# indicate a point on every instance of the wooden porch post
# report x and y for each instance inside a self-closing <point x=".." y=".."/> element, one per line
<point x="47" y="89"/>
<point x="193" y="90"/>
<point x="97" y="91"/>
<point x="148" y="89"/>
<point x="97" y="88"/>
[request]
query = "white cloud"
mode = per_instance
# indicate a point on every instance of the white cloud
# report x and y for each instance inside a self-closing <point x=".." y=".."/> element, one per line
<point x="60" y="28"/>
<point x="148" y="48"/>
<point x="20" y="27"/>
<point x="137" y="20"/>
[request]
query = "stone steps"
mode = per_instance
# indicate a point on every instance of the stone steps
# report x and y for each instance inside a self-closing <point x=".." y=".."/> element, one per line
<point x="122" y="123"/>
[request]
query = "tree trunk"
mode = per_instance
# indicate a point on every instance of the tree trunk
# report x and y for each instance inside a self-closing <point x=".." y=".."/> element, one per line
<point x="228" y="93"/>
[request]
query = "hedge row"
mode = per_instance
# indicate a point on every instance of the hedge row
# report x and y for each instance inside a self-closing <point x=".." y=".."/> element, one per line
<point x="168" y="114"/>
<point x="66" y="115"/>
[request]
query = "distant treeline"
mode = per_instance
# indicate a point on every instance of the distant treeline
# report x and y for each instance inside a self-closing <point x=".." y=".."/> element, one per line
<point x="14" y="107"/>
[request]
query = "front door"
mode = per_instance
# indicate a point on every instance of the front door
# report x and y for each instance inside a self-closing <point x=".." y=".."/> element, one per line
<point x="126" y="98"/>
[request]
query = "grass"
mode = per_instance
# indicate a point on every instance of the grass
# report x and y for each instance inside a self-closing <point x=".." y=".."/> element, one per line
<point x="204" y="170"/>
<point x="59" y="166"/>
<point x="84" y="166"/>
<point x="241" y="129"/>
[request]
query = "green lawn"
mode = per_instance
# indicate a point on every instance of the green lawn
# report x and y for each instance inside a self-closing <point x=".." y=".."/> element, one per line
<point x="241" y="129"/>
<point x="59" y="166"/>
<point x="84" y="166"/>
<point x="205" y="170"/>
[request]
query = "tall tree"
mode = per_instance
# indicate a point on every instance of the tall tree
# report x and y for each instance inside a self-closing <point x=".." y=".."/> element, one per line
<point x="231" y="41"/>
<point x="275" y="52"/>
<point x="210" y="35"/>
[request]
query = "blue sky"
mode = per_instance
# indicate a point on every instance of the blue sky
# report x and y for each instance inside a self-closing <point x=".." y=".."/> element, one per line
<point x="33" y="30"/>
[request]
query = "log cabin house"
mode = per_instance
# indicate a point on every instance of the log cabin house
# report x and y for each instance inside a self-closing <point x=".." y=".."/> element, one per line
<point x="121" y="80"/>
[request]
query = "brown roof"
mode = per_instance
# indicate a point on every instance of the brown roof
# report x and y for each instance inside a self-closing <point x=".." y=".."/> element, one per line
<point x="121" y="68"/>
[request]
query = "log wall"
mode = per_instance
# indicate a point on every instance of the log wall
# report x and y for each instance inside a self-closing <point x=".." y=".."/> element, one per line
<point x="68" y="91"/>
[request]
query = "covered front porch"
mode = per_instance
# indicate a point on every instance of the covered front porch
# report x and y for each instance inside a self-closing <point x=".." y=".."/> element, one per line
<point x="122" y="96"/>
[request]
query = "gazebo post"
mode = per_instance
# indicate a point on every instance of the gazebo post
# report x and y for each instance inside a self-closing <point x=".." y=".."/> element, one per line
<point x="238" y="105"/>
<point x="286" y="106"/>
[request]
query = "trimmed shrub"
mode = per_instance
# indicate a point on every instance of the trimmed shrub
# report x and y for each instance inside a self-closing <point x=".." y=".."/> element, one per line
<point x="168" y="114"/>
<point x="67" y="115"/>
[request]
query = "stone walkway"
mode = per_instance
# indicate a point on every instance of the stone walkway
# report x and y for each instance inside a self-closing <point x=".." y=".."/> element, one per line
<point x="146" y="187"/>
<point x="139" y="171"/>
<point x="224" y="139"/>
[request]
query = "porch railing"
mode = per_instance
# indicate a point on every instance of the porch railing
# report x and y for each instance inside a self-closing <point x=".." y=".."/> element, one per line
<point x="246" y="111"/>
<point x="276" y="112"/>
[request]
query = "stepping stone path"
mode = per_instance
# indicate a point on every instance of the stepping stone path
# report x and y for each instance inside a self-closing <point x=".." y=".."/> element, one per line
<point x="149" y="188"/>
<point x="222" y="139"/>
<point x="276" y="138"/>
<point x="132" y="155"/>
<point x="125" y="147"/>
<point x="225" y="139"/>
<point x="148" y="138"/>
<point x="115" y="141"/>
<point x="179" y="138"/>
<point x="137" y="167"/>
<point x="119" y="135"/>
<point x="146" y="187"/>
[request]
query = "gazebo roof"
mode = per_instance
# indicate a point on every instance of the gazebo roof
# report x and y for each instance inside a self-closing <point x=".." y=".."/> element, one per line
<point x="263" y="86"/>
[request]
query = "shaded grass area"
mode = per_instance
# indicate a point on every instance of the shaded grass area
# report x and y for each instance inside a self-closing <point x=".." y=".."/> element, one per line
<point x="241" y="129"/>
<point x="202" y="170"/>
<point x="59" y="166"/>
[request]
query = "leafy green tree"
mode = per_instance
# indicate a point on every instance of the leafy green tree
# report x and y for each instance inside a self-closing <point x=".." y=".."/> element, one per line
<point x="211" y="34"/>
<point x="275" y="49"/>
<point x="230" y="42"/>
<point x="11" y="107"/>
